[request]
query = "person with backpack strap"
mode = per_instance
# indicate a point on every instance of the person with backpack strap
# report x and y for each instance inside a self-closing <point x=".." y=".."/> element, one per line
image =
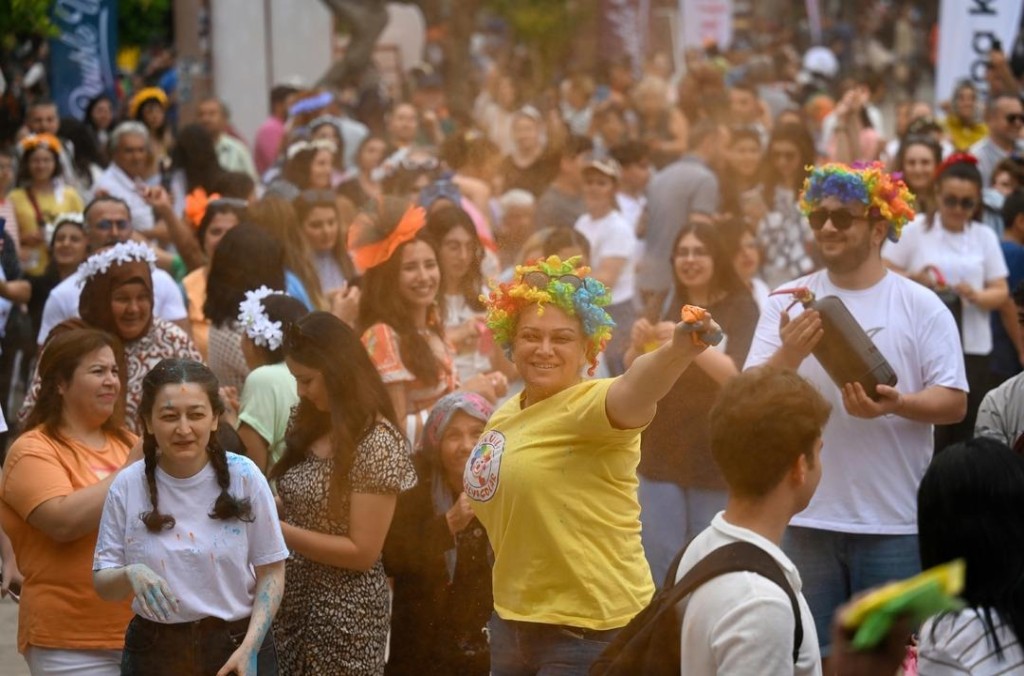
<point x="737" y="593"/>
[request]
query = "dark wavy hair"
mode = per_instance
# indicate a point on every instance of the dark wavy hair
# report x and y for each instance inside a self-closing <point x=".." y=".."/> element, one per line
<point x="285" y="309"/>
<point x="723" y="276"/>
<point x="963" y="170"/>
<point x="381" y="302"/>
<point x="61" y="355"/>
<point x="180" y="372"/>
<point x="195" y="154"/>
<point x="439" y="224"/>
<point x="798" y="135"/>
<point x="357" y="398"/>
<point x="247" y="258"/>
<point x="970" y="506"/>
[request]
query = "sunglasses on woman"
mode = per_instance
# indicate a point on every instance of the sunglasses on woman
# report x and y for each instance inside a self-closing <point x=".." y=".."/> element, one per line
<point x="965" y="203"/>
<point x="540" y="280"/>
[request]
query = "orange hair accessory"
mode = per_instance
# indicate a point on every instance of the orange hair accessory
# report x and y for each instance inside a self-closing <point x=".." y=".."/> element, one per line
<point x="371" y="255"/>
<point x="196" y="203"/>
<point x="33" y="141"/>
<point x="146" y="94"/>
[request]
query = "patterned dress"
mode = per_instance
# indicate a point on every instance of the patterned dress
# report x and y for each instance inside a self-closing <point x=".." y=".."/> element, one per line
<point x="333" y="620"/>
<point x="383" y="344"/>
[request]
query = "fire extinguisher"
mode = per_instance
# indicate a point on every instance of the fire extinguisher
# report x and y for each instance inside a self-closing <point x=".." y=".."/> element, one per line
<point x="845" y="351"/>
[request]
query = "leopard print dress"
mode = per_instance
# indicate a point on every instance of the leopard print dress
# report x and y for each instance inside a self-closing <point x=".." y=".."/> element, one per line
<point x="333" y="620"/>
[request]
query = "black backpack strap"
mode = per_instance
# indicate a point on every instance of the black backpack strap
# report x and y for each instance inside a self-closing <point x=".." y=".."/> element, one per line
<point x="734" y="558"/>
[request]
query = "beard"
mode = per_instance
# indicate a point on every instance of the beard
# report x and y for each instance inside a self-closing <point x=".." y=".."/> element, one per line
<point x="852" y="256"/>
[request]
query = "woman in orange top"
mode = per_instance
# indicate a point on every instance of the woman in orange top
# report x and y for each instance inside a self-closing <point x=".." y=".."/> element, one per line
<point x="54" y="483"/>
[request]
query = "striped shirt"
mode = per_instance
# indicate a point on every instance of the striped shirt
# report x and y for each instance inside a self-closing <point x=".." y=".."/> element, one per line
<point x="958" y="644"/>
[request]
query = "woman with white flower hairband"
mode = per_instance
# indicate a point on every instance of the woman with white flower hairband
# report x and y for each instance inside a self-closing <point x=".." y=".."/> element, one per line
<point x="117" y="297"/>
<point x="269" y="393"/>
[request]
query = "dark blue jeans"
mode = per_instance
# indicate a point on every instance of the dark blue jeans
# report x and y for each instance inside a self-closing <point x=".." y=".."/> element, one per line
<point x="197" y="648"/>
<point x="531" y="649"/>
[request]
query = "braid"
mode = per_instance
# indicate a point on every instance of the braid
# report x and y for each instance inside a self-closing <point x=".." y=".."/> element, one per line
<point x="227" y="506"/>
<point x="154" y="520"/>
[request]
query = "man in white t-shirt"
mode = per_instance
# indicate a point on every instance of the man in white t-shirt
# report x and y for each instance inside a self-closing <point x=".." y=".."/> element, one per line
<point x="108" y="222"/>
<point x="860" y="528"/>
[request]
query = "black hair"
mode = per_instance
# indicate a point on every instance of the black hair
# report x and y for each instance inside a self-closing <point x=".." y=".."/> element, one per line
<point x="357" y="399"/>
<point x="286" y="310"/>
<point x="234" y="184"/>
<point x="970" y="506"/>
<point x="104" y="197"/>
<point x="1018" y="294"/>
<point x="1013" y="206"/>
<point x="576" y="145"/>
<point x="442" y="221"/>
<point x="93" y="102"/>
<point x="280" y="93"/>
<point x="214" y="209"/>
<point x="964" y="171"/>
<point x="297" y="168"/>
<point x="798" y="135"/>
<point x="247" y="258"/>
<point x="180" y="372"/>
<point x="196" y="155"/>
<point x="629" y="153"/>
<point x="86" y="151"/>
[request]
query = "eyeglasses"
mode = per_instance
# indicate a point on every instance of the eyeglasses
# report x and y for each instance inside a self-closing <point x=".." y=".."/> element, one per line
<point x="784" y="155"/>
<point x="1015" y="118"/>
<point x="841" y="218"/>
<point x="685" y="252"/>
<point x="965" y="203"/>
<point x="425" y="164"/>
<point x="107" y="225"/>
<point x="540" y="280"/>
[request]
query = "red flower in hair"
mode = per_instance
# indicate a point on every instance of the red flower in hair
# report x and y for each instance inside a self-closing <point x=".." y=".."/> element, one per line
<point x="956" y="158"/>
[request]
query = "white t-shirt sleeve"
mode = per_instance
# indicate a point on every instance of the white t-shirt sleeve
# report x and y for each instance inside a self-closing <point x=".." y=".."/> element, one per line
<point x="169" y="303"/>
<point x="755" y="637"/>
<point x="55" y="311"/>
<point x="901" y="253"/>
<point x="994" y="261"/>
<point x="266" y="542"/>
<point x="766" y="340"/>
<point x="941" y="353"/>
<point x="110" y="543"/>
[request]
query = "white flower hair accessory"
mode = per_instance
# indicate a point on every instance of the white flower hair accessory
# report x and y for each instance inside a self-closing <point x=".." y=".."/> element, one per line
<point x="125" y="252"/>
<point x="255" y="322"/>
<point x="68" y="217"/>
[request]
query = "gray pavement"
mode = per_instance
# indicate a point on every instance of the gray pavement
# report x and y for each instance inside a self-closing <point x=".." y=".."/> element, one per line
<point x="11" y="663"/>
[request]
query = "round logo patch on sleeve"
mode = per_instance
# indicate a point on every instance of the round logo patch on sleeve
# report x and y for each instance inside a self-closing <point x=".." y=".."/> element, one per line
<point x="480" y="478"/>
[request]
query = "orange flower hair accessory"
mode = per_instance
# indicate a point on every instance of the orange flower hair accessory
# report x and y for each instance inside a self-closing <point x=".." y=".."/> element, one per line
<point x="196" y="203"/>
<point x="33" y="141"/>
<point x="146" y="94"/>
<point x="369" y="251"/>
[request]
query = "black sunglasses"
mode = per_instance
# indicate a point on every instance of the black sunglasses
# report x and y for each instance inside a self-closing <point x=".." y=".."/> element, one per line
<point x="116" y="224"/>
<point x="841" y="218"/>
<point x="1014" y="118"/>
<point x="540" y="280"/>
<point x="965" y="203"/>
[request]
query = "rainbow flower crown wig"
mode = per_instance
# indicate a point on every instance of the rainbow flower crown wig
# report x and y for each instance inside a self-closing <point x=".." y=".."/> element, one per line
<point x="886" y="195"/>
<point x="567" y="287"/>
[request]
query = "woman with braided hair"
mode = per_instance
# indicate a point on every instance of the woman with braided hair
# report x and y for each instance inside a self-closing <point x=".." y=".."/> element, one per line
<point x="193" y="534"/>
<point x="56" y="477"/>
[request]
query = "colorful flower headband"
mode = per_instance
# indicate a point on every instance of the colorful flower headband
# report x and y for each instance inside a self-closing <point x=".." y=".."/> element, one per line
<point x="33" y="141"/>
<point x="563" y="284"/>
<point x="147" y="94"/>
<point x="886" y="195"/>
<point x="319" y="144"/>
<point x="253" y="318"/>
<point x="125" y="252"/>
<point x="371" y="255"/>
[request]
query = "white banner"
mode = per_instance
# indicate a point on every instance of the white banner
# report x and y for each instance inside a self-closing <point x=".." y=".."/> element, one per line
<point x="704" y="21"/>
<point x="967" y="31"/>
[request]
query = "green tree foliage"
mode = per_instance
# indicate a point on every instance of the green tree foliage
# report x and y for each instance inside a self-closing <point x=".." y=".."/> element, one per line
<point x="22" y="18"/>
<point x="144" y="22"/>
<point x="547" y="28"/>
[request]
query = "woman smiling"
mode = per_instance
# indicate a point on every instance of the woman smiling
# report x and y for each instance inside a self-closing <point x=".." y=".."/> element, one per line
<point x="553" y="479"/>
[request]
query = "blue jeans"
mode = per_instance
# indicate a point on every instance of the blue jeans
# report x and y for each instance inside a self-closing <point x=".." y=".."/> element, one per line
<point x="531" y="649"/>
<point x="671" y="516"/>
<point x="834" y="566"/>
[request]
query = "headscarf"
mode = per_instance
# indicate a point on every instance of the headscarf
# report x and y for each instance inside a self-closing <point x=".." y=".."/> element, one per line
<point x="473" y="405"/>
<point x="124" y="264"/>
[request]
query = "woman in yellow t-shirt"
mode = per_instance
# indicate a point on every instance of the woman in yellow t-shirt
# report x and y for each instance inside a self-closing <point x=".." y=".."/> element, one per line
<point x="40" y="197"/>
<point x="55" y="481"/>
<point x="553" y="478"/>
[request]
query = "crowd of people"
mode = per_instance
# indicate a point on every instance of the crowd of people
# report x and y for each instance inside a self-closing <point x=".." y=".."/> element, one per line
<point x="427" y="393"/>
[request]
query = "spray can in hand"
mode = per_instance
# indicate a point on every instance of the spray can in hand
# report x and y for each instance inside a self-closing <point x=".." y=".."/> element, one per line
<point x="845" y="351"/>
